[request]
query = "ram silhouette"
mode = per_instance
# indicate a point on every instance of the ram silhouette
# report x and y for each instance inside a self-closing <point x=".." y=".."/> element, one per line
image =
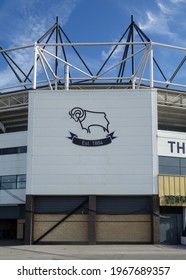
<point x="88" y="119"/>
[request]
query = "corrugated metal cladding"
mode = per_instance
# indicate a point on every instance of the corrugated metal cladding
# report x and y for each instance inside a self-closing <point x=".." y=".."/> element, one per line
<point x="62" y="205"/>
<point x="119" y="205"/>
<point x="171" y="185"/>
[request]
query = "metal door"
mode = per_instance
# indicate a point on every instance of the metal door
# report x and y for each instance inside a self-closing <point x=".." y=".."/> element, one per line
<point x="170" y="228"/>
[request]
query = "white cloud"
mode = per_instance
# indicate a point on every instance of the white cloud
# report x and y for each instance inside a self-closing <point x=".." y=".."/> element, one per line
<point x="116" y="54"/>
<point x="164" y="9"/>
<point x="40" y="17"/>
<point x="159" y="20"/>
<point x="177" y="1"/>
<point x="67" y="7"/>
<point x="5" y="77"/>
<point x="156" y="23"/>
<point x="36" y="18"/>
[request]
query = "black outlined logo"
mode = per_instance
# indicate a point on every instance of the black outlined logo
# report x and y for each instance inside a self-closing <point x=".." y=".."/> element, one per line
<point x="88" y="119"/>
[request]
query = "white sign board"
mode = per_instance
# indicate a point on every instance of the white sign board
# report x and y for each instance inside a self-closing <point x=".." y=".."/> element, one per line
<point x="92" y="142"/>
<point x="172" y="144"/>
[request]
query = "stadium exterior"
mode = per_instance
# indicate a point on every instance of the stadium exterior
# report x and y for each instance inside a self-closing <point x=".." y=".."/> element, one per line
<point x="93" y="158"/>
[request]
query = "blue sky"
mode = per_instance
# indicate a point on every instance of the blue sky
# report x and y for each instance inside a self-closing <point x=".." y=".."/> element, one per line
<point x="22" y="22"/>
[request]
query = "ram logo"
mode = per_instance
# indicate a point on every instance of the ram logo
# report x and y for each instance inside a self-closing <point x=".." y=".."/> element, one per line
<point x="87" y="119"/>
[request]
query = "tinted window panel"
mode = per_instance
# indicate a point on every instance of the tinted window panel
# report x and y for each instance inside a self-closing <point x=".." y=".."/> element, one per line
<point x="22" y="149"/>
<point x="13" y="150"/>
<point x="8" y="179"/>
<point x="21" y="181"/>
<point x="183" y="162"/>
<point x="183" y="171"/>
<point x="13" y="182"/>
<point x="169" y="170"/>
<point x="9" y="151"/>
<point x="169" y="161"/>
<point x="11" y="185"/>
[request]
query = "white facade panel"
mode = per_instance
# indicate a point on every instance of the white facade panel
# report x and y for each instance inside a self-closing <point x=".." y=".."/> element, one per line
<point x="13" y="164"/>
<point x="172" y="144"/>
<point x="12" y="197"/>
<point x="14" y="139"/>
<point x="112" y="149"/>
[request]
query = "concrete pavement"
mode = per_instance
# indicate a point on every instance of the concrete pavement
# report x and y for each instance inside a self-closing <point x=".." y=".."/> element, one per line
<point x="96" y="252"/>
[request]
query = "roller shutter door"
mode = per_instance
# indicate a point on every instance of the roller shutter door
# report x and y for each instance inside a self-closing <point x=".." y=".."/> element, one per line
<point x="58" y="204"/>
<point x="49" y="211"/>
<point x="123" y="219"/>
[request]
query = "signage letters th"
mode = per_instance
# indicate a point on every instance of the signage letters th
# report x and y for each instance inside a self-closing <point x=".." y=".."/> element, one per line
<point x="177" y="147"/>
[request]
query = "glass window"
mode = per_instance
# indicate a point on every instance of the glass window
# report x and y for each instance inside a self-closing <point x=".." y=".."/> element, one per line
<point x="8" y="182"/>
<point x="169" y="161"/>
<point x="13" y="150"/>
<point x="169" y="170"/>
<point x="183" y="162"/>
<point x="22" y="149"/>
<point x="21" y="181"/>
<point x="183" y="171"/>
<point x="13" y="182"/>
<point x="9" y="151"/>
<point x="172" y="165"/>
<point x="169" y="165"/>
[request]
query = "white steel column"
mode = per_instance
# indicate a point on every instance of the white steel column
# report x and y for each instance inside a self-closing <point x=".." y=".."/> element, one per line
<point x="66" y="69"/>
<point x="151" y="67"/>
<point x="35" y="66"/>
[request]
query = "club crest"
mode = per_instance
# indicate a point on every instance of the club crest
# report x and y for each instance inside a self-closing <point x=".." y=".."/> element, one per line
<point x="86" y="120"/>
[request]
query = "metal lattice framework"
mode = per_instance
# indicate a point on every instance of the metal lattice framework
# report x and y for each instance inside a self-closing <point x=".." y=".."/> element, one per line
<point x="131" y="62"/>
<point x="58" y="63"/>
